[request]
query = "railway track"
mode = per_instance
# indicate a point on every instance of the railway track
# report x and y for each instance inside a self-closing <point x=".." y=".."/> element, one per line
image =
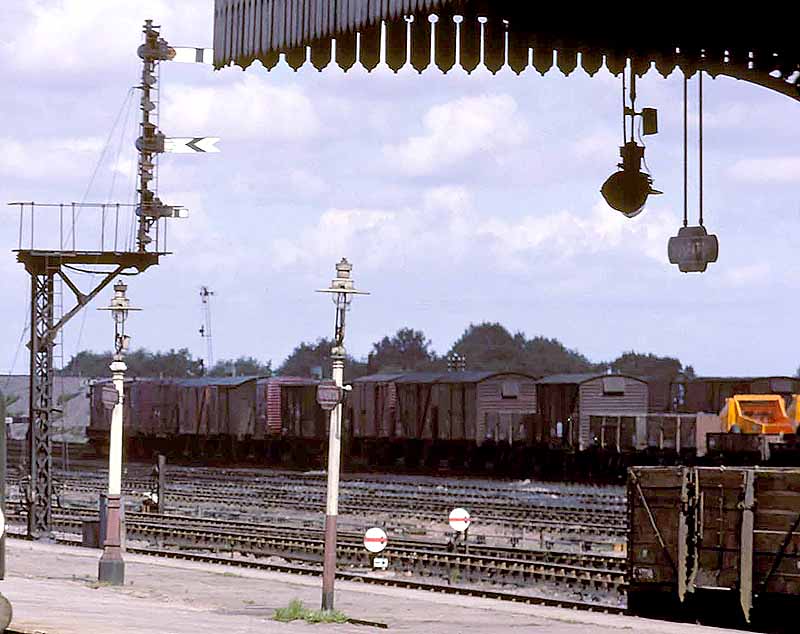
<point x="251" y="496"/>
<point x="422" y="558"/>
<point x="256" y="480"/>
<point x="451" y="587"/>
<point x="601" y="518"/>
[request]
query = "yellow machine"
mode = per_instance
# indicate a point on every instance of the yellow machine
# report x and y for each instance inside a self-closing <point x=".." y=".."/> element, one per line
<point x="794" y="410"/>
<point x="758" y="414"/>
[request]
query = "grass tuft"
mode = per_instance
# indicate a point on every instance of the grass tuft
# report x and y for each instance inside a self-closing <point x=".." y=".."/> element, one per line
<point x="296" y="611"/>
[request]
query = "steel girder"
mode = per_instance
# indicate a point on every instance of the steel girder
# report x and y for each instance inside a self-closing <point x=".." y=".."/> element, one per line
<point x="41" y="403"/>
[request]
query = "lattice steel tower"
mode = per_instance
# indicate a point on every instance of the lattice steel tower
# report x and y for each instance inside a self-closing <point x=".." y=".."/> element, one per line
<point x="76" y="249"/>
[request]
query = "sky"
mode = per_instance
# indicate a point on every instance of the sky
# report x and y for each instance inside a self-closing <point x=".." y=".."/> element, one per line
<point x="458" y="198"/>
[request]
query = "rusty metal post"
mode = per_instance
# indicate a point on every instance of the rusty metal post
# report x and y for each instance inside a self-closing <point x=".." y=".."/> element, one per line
<point x="746" y="544"/>
<point x="162" y="483"/>
<point x="3" y="463"/>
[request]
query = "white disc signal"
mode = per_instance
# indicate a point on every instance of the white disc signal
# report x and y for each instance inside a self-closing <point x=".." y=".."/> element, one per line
<point x="375" y="540"/>
<point x="460" y="520"/>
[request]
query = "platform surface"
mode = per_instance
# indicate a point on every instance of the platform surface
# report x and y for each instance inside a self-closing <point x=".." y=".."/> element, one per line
<point x="53" y="590"/>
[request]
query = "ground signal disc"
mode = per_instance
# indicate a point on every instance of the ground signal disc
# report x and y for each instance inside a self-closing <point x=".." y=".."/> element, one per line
<point x="375" y="540"/>
<point x="460" y="520"/>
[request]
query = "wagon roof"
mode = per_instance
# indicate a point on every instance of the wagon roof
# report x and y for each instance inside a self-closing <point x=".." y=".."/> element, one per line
<point x="436" y="377"/>
<point x="291" y="380"/>
<point x="739" y="379"/>
<point x="223" y="381"/>
<point x="379" y="378"/>
<point x="577" y="379"/>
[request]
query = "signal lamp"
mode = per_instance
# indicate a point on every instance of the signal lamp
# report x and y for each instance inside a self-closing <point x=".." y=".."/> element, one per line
<point x="151" y="140"/>
<point x="693" y="249"/>
<point x="649" y="121"/>
<point x="157" y="209"/>
<point x="156" y="50"/>
<point x="627" y="190"/>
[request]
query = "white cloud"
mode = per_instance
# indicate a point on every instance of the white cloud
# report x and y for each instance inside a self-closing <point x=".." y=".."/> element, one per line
<point x="124" y="166"/>
<point x="458" y="130"/>
<point x="446" y="227"/>
<point x="779" y="169"/>
<point x="307" y="183"/>
<point x="747" y="275"/>
<point x="599" y="143"/>
<point x="78" y="35"/>
<point x="567" y="235"/>
<point x="252" y="109"/>
<point x="203" y="243"/>
<point x="52" y="159"/>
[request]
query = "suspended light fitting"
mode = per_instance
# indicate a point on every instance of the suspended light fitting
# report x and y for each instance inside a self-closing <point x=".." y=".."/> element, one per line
<point x="693" y="249"/>
<point x="627" y="190"/>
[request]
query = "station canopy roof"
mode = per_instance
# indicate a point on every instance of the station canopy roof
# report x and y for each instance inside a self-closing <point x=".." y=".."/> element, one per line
<point x="756" y="43"/>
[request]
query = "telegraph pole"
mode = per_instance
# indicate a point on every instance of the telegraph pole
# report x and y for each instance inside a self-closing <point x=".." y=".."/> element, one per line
<point x="343" y="290"/>
<point x="205" y="328"/>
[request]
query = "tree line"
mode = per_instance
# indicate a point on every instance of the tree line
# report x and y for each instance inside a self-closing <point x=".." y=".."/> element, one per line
<point x="485" y="346"/>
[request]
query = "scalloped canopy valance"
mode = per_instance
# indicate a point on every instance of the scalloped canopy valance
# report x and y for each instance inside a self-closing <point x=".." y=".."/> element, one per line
<point x="755" y="44"/>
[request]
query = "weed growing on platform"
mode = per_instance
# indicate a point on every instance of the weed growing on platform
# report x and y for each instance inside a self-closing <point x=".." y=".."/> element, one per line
<point x="94" y="585"/>
<point x="296" y="611"/>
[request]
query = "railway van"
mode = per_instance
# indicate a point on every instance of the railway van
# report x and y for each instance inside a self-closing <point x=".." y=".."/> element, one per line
<point x="442" y="420"/>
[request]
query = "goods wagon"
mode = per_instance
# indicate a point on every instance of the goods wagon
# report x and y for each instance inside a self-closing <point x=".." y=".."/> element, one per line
<point x="213" y="417"/>
<point x="296" y="427"/>
<point x="593" y="425"/>
<point x="720" y="544"/>
<point x="431" y="418"/>
<point x="580" y="410"/>
<point x="708" y="394"/>
<point x="584" y="426"/>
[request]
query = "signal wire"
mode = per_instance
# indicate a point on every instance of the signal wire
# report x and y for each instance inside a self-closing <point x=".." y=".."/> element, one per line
<point x="19" y="347"/>
<point x="123" y="107"/>
<point x="127" y="105"/>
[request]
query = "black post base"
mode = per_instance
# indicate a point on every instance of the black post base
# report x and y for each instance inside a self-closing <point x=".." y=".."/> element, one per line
<point x="111" y="570"/>
<point x="5" y="613"/>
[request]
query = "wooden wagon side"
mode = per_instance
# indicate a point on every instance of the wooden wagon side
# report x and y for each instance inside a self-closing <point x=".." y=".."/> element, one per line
<point x="659" y="523"/>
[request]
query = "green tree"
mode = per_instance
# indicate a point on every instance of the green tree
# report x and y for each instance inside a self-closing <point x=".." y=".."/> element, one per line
<point x="489" y="346"/>
<point x="407" y="350"/>
<point x="141" y="363"/>
<point x="243" y="366"/>
<point x="544" y="356"/>
<point x="648" y="365"/>
<point x="307" y="359"/>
